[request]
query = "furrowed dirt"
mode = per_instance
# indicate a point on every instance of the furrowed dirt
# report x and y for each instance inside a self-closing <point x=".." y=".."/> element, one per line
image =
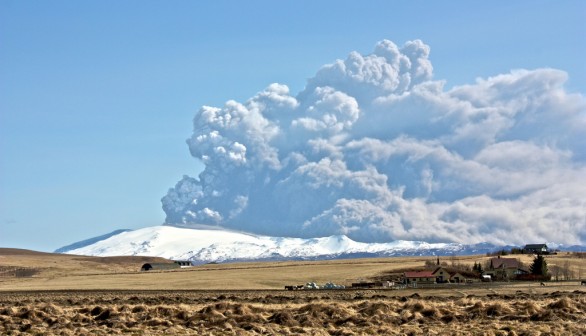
<point x="242" y="312"/>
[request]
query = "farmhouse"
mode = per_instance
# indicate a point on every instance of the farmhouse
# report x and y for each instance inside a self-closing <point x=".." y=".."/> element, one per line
<point x="504" y="268"/>
<point x="536" y="249"/>
<point x="441" y="275"/>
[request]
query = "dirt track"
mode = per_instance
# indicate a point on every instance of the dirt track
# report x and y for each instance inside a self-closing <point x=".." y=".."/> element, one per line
<point x="366" y="312"/>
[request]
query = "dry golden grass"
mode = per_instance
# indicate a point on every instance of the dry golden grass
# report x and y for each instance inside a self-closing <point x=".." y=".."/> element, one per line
<point x="77" y="272"/>
<point x="53" y="265"/>
<point x="286" y="313"/>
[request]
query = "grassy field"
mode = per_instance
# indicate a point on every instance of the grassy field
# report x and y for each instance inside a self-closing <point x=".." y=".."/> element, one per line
<point x="59" y="272"/>
<point x="78" y="295"/>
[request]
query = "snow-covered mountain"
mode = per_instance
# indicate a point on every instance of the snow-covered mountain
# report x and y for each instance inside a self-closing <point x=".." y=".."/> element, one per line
<point x="212" y="244"/>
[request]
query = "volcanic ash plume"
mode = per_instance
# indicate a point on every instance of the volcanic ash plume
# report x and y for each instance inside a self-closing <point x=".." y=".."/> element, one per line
<point x="376" y="149"/>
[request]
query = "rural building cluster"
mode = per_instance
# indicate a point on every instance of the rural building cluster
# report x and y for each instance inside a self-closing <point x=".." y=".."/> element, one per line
<point x="497" y="268"/>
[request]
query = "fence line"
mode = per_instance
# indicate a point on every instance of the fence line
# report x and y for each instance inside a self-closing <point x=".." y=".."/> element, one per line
<point x="18" y="272"/>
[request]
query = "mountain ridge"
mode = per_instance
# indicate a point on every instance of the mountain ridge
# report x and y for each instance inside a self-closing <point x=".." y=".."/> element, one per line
<point x="89" y="241"/>
<point x="213" y="244"/>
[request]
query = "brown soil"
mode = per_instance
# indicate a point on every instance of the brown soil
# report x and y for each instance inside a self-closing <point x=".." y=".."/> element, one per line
<point x="368" y="312"/>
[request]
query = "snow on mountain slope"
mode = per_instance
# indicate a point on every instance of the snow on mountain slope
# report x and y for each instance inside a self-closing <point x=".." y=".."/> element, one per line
<point x="207" y="244"/>
<point x="90" y="241"/>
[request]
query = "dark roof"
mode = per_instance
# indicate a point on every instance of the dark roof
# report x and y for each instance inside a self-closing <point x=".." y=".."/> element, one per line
<point x="504" y="262"/>
<point x="535" y="246"/>
<point x="440" y="268"/>
<point x="183" y="262"/>
<point x="422" y="274"/>
<point x="457" y="274"/>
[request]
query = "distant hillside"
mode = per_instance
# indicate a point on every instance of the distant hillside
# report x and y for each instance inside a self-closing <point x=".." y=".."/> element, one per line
<point x="89" y="241"/>
<point x="15" y="251"/>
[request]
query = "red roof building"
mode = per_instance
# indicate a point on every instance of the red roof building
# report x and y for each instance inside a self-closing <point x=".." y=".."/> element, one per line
<point x="419" y="277"/>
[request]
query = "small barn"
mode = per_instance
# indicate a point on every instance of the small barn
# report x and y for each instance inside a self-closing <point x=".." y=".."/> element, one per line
<point x="457" y="278"/>
<point x="183" y="263"/>
<point x="159" y="266"/>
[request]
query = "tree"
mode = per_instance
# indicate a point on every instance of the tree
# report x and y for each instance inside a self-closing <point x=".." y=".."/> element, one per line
<point x="477" y="268"/>
<point x="556" y="271"/>
<point x="429" y="264"/>
<point x="539" y="266"/>
<point x="516" y="250"/>
<point x="567" y="271"/>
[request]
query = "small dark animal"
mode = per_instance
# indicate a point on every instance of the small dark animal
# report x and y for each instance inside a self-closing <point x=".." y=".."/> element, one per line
<point x="542" y="284"/>
<point x="583" y="283"/>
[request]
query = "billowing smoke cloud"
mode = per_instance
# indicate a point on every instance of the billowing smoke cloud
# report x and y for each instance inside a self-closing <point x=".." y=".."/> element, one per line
<point x="375" y="149"/>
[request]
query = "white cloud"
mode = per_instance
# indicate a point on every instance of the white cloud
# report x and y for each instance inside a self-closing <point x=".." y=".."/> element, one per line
<point x="331" y="112"/>
<point x="376" y="149"/>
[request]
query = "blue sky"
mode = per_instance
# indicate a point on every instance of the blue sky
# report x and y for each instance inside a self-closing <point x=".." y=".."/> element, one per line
<point x="97" y="97"/>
